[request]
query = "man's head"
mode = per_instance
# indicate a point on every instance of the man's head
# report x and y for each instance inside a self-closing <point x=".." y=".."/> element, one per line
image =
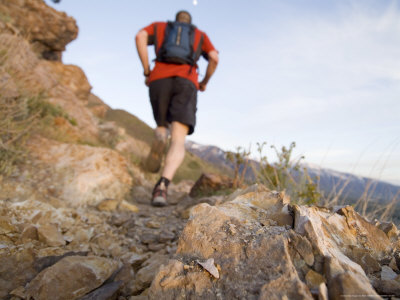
<point x="183" y="16"/>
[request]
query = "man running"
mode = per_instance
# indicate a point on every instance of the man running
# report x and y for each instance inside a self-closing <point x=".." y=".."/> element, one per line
<point x="173" y="85"/>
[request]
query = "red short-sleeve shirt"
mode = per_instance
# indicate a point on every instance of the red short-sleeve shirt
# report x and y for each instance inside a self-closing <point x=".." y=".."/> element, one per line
<point x="164" y="70"/>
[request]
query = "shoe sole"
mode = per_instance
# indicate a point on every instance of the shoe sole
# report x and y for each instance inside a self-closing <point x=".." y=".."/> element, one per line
<point x="153" y="161"/>
<point x="159" y="202"/>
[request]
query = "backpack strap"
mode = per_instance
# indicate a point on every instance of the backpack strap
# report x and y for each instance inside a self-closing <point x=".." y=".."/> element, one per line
<point x="159" y="52"/>
<point x="155" y="37"/>
<point x="152" y="39"/>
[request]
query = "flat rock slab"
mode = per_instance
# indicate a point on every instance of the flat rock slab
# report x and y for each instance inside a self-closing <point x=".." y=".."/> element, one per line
<point x="71" y="278"/>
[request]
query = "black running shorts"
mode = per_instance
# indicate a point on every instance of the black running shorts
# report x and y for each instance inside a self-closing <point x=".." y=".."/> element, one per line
<point x="174" y="99"/>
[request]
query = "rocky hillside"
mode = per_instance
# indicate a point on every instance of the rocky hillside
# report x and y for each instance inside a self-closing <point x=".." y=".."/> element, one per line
<point x="75" y="214"/>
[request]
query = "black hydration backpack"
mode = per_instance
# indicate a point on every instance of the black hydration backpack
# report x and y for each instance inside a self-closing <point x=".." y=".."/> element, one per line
<point x="177" y="47"/>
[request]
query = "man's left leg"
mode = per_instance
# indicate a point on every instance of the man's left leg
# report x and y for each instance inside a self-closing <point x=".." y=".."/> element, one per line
<point x="174" y="158"/>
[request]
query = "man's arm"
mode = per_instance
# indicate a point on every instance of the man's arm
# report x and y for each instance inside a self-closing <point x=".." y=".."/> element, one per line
<point x="141" y="46"/>
<point x="212" y="65"/>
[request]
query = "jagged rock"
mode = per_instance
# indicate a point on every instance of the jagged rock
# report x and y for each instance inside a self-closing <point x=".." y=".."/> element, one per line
<point x="87" y="174"/>
<point x="314" y="279"/>
<point x="105" y="292"/>
<point x="209" y="183"/>
<point x="146" y="274"/>
<point x="29" y="233"/>
<point x="134" y="259"/>
<point x="186" y="202"/>
<point x="303" y="247"/>
<point x="336" y="235"/>
<point x="49" y="30"/>
<point x="73" y="78"/>
<point x="6" y="226"/>
<point x="60" y="281"/>
<point x="387" y="287"/>
<point x="172" y="280"/>
<point x="260" y="251"/>
<point x="394" y="266"/>
<point x="127" y="276"/>
<point x="19" y="292"/>
<point x="323" y="292"/>
<point x="390" y="229"/>
<point x="16" y="269"/>
<point x="47" y="261"/>
<point x="346" y="281"/>
<point x="50" y="235"/>
<point x="377" y="240"/>
<point x="365" y="260"/>
<point x="387" y="273"/>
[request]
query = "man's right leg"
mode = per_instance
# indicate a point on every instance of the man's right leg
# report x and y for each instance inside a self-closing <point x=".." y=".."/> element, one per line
<point x="157" y="151"/>
<point x="160" y="96"/>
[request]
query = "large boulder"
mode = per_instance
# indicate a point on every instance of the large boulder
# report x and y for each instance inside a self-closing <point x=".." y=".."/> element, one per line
<point x="258" y="246"/>
<point x="85" y="174"/>
<point x="209" y="184"/>
<point x="250" y="251"/>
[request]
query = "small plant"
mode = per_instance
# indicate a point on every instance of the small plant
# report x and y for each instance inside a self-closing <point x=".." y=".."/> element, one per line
<point x="240" y="161"/>
<point x="287" y="174"/>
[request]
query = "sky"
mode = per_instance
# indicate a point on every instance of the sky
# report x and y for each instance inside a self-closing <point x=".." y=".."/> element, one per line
<point x="324" y="74"/>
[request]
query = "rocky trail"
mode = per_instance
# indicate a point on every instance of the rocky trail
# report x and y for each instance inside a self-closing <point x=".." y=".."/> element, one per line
<point x="36" y="237"/>
<point x="75" y="214"/>
<point x="252" y="244"/>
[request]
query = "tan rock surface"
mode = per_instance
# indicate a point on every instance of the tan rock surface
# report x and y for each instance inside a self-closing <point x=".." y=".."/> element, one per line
<point x="260" y="251"/>
<point x="333" y="237"/>
<point x="73" y="78"/>
<point x="48" y="29"/>
<point x="59" y="281"/>
<point x="88" y="174"/>
<point x="34" y="76"/>
<point x="210" y="183"/>
<point x="50" y="235"/>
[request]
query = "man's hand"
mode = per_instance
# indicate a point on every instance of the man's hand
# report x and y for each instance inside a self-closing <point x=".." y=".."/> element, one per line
<point x="202" y="86"/>
<point x="141" y="46"/>
<point x="212" y="65"/>
<point x="147" y="80"/>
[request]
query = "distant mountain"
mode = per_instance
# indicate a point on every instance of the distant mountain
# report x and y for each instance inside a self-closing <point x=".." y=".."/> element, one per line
<point x="350" y="187"/>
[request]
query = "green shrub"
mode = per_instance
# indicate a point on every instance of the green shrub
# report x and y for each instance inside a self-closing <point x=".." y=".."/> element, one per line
<point x="19" y="118"/>
<point x="47" y="109"/>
